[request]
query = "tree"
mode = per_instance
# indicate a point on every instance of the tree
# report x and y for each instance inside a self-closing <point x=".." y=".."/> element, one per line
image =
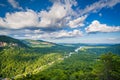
<point x="110" y="67"/>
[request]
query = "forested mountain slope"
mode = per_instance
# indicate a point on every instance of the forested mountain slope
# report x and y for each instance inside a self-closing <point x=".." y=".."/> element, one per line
<point x="8" y="41"/>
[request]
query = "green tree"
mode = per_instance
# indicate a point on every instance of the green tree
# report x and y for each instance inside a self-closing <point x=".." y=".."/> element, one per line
<point x="108" y="67"/>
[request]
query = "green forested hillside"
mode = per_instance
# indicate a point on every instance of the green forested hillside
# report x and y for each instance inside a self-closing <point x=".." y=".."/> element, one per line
<point x="18" y="61"/>
<point x="11" y="41"/>
<point x="59" y="62"/>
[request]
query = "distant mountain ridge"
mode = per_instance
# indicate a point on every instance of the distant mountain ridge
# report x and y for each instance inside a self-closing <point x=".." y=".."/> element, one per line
<point x="38" y="43"/>
<point x="9" y="41"/>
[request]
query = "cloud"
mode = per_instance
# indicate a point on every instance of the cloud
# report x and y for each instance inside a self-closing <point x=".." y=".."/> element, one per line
<point x="58" y="34"/>
<point x="39" y="34"/>
<point x="57" y="15"/>
<point x="37" y="31"/>
<point x="67" y="34"/>
<point x="14" y="4"/>
<point x="96" y="26"/>
<point x="98" y="6"/>
<point x="12" y="32"/>
<point x="19" y="20"/>
<point x="32" y="25"/>
<point x="52" y="17"/>
<point x="77" y="22"/>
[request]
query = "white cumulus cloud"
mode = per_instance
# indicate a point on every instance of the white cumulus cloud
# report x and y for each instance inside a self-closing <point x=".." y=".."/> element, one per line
<point x="53" y="16"/>
<point x="96" y="26"/>
<point x="56" y="15"/>
<point x="19" y="20"/>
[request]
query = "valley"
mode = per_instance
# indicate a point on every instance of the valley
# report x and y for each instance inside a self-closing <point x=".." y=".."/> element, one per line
<point x="41" y="60"/>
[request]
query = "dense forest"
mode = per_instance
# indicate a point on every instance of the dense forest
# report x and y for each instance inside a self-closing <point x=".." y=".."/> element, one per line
<point x="58" y="62"/>
<point x="82" y="67"/>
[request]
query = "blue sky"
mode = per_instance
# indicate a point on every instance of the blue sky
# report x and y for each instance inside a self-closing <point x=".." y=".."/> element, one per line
<point x="61" y="21"/>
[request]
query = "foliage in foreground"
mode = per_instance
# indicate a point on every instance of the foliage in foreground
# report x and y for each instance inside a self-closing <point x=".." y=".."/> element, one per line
<point x="82" y="67"/>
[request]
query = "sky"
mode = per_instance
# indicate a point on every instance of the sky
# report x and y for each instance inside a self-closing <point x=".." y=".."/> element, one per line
<point x="61" y="21"/>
